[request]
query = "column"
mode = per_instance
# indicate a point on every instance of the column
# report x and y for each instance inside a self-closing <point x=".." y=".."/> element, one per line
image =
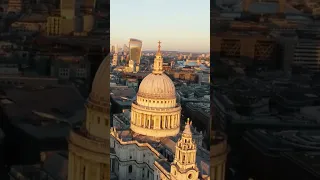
<point x="98" y="172"/>
<point x="134" y="117"/>
<point x="213" y="173"/>
<point x="163" y="124"/>
<point x="159" y="122"/>
<point x="223" y="170"/>
<point x="219" y="172"/>
<point x="71" y="171"/>
<point x="142" y="119"/>
<point x="149" y="125"/>
<point x="139" y="119"/>
<point x="174" y="121"/>
<point x="178" y="119"/>
<point x="77" y="168"/>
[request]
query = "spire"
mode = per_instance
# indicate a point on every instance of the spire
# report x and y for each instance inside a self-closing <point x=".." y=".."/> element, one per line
<point x="159" y="51"/>
<point x="187" y="128"/>
<point x="157" y="64"/>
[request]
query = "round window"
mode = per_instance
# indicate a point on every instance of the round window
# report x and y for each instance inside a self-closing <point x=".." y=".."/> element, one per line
<point x="189" y="176"/>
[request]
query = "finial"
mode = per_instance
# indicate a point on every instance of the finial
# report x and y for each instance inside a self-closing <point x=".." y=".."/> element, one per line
<point x="187" y="129"/>
<point x="159" y="46"/>
<point x="188" y="122"/>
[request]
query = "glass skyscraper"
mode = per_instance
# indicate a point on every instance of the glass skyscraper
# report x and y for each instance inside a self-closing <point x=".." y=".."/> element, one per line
<point x="135" y="47"/>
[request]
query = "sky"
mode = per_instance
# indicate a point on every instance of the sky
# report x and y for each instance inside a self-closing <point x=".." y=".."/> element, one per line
<point x="181" y="25"/>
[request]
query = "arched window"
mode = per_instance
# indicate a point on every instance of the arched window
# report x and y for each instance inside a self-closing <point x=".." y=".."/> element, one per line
<point x="130" y="169"/>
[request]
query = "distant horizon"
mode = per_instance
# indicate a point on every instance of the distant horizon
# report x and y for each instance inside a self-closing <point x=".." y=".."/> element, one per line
<point x="183" y="26"/>
<point x="162" y="49"/>
<point x="174" y="51"/>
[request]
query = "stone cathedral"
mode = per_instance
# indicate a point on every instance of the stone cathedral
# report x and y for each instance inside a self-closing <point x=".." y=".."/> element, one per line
<point x="157" y="146"/>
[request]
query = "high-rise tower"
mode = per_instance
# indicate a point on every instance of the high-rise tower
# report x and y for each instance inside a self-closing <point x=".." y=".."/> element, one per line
<point x="135" y="50"/>
<point x="89" y="147"/>
<point x="184" y="165"/>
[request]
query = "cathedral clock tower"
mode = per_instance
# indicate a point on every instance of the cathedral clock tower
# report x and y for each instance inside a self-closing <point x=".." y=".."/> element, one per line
<point x="184" y="165"/>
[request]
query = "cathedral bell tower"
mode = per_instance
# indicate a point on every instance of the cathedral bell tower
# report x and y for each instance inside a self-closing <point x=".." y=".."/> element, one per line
<point x="184" y="165"/>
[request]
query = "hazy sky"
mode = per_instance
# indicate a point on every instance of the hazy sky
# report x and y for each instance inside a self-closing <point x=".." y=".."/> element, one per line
<point x="181" y="25"/>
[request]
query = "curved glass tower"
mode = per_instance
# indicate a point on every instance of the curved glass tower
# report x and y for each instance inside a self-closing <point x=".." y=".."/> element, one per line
<point x="135" y="47"/>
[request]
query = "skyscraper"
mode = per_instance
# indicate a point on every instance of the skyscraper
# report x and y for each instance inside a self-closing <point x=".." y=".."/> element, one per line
<point x="135" y="49"/>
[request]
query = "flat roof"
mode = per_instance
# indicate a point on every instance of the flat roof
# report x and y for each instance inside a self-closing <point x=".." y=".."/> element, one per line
<point x="309" y="160"/>
<point x="168" y="143"/>
<point x="123" y="95"/>
<point x="265" y="8"/>
<point x="45" y="112"/>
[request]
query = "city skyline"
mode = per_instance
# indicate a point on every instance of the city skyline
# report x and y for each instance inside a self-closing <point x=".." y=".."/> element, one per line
<point x="180" y="28"/>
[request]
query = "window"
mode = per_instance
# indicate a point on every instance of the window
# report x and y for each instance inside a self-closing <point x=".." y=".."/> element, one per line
<point x="64" y="72"/>
<point x="81" y="72"/>
<point x="98" y="119"/>
<point x="106" y="121"/>
<point x="130" y="169"/>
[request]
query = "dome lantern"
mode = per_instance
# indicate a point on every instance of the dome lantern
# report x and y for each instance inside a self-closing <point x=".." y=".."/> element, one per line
<point x="158" y="61"/>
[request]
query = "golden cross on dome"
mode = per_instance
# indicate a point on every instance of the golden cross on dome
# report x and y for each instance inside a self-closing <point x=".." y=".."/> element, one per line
<point x="159" y="42"/>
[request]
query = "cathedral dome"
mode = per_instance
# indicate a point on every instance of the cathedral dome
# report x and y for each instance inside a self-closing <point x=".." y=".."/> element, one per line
<point x="157" y="86"/>
<point x="100" y="86"/>
<point x="155" y="113"/>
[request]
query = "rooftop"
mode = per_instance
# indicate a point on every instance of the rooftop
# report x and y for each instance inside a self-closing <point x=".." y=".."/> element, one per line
<point x="265" y="8"/>
<point x="308" y="160"/>
<point x="44" y="112"/>
<point x="301" y="147"/>
<point x="162" y="144"/>
<point x="33" y="18"/>
<point x="123" y="95"/>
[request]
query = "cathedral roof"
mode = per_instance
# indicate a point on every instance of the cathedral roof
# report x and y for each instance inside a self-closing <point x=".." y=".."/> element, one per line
<point x="100" y="86"/>
<point x="157" y="84"/>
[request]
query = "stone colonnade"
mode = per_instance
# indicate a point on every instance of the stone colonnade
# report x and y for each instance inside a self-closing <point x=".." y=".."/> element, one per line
<point x="155" y="121"/>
